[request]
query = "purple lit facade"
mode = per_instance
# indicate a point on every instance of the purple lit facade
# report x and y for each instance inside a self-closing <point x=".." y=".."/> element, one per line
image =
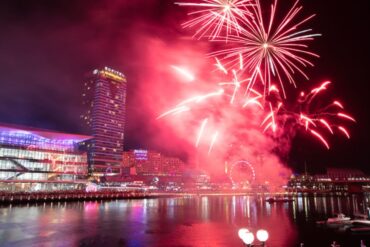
<point x="105" y="98"/>
<point x="34" y="159"/>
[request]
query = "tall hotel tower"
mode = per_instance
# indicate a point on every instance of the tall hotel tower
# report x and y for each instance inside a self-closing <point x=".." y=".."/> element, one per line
<point x="105" y="98"/>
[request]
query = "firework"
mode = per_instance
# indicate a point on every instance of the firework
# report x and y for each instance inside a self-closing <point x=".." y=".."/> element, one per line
<point x="315" y="119"/>
<point x="217" y="17"/>
<point x="245" y="111"/>
<point x="225" y="90"/>
<point x="275" y="51"/>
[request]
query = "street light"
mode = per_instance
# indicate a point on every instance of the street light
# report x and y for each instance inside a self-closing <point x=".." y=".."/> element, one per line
<point x="242" y="232"/>
<point x="262" y="235"/>
<point x="247" y="237"/>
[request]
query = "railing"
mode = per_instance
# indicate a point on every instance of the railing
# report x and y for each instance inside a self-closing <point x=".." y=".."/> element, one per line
<point x="34" y="197"/>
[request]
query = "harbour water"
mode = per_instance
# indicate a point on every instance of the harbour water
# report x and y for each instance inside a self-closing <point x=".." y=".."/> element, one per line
<point x="181" y="221"/>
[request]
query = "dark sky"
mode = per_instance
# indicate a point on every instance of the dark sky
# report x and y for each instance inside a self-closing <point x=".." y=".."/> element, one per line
<point x="48" y="47"/>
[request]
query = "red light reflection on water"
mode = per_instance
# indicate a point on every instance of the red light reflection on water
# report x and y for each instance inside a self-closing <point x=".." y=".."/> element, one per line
<point x="185" y="221"/>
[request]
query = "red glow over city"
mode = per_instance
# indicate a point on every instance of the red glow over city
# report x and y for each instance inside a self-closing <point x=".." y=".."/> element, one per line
<point x="184" y="123"/>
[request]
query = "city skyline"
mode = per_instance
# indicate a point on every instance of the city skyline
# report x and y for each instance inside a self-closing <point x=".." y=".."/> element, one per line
<point x="61" y="32"/>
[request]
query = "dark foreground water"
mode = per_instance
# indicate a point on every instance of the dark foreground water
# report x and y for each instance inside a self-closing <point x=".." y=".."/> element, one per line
<point x="191" y="221"/>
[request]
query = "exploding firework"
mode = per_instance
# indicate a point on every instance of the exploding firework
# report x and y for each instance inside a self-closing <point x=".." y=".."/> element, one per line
<point x="241" y="110"/>
<point x="308" y="114"/>
<point x="272" y="51"/>
<point x="218" y="17"/>
<point x="227" y="94"/>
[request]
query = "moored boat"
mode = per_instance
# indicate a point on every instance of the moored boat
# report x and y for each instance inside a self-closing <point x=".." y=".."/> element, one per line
<point x="340" y="219"/>
<point x="279" y="199"/>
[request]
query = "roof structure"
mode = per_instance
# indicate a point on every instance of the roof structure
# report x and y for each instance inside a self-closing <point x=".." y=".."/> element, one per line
<point x="48" y="134"/>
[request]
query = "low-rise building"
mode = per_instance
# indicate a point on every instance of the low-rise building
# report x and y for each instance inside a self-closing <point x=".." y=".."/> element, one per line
<point x="335" y="180"/>
<point x="151" y="163"/>
<point x="34" y="159"/>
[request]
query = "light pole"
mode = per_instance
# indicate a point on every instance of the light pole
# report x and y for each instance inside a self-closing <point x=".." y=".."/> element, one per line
<point x="247" y="237"/>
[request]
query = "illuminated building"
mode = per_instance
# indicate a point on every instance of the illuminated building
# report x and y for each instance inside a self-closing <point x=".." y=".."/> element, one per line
<point x="105" y="98"/>
<point x="335" y="180"/>
<point x="34" y="159"/>
<point x="152" y="163"/>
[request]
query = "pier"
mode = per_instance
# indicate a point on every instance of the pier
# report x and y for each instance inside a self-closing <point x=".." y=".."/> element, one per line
<point x="35" y="197"/>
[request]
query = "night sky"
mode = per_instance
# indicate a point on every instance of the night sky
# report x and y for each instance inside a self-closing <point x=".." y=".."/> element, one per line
<point x="48" y="47"/>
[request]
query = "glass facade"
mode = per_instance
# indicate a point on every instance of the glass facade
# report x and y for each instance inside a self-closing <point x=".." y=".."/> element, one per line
<point x="40" y="159"/>
<point x="105" y="98"/>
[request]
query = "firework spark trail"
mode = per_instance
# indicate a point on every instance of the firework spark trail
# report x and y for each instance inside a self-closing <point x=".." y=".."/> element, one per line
<point x="346" y="116"/>
<point x="174" y="111"/>
<point x="210" y="95"/>
<point x="278" y="51"/>
<point x="201" y="130"/>
<point x="307" y="121"/>
<point x="213" y="141"/>
<point x="198" y="99"/>
<point x="184" y="72"/>
<point x="253" y="101"/>
<point x="322" y="139"/>
<point x="344" y="131"/>
<point x="216" y="17"/>
<point x="322" y="87"/>
<point x="220" y="66"/>
<point x="327" y="125"/>
<point x="337" y="103"/>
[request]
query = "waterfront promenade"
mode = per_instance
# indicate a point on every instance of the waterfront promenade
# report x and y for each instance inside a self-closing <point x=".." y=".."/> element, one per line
<point x="7" y="198"/>
<point x="34" y="197"/>
<point x="80" y="195"/>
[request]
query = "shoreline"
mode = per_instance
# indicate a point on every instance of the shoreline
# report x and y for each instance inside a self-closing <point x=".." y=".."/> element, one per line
<point x="67" y="196"/>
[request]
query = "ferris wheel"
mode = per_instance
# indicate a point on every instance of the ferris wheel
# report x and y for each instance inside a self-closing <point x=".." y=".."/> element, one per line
<point x="242" y="171"/>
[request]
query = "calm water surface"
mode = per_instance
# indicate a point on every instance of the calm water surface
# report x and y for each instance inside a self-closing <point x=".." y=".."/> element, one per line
<point x="191" y="221"/>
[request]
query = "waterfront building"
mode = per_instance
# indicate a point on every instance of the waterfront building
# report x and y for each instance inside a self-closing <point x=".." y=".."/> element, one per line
<point x="105" y="100"/>
<point x="146" y="162"/>
<point x="334" y="180"/>
<point x="33" y="159"/>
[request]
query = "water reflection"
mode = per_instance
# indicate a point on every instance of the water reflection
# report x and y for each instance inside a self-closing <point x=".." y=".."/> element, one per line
<point x="184" y="221"/>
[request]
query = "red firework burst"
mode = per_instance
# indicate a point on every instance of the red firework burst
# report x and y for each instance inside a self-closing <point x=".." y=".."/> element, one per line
<point x="314" y="118"/>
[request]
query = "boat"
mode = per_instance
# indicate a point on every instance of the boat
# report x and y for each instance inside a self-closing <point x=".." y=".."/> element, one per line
<point x="360" y="229"/>
<point x="362" y="222"/>
<point x="279" y="199"/>
<point x="340" y="219"/>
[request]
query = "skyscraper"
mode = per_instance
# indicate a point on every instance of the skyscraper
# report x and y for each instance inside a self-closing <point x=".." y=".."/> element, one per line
<point x="105" y="98"/>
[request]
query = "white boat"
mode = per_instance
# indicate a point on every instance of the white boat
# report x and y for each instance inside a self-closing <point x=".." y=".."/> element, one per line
<point x="362" y="222"/>
<point x="340" y="219"/>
